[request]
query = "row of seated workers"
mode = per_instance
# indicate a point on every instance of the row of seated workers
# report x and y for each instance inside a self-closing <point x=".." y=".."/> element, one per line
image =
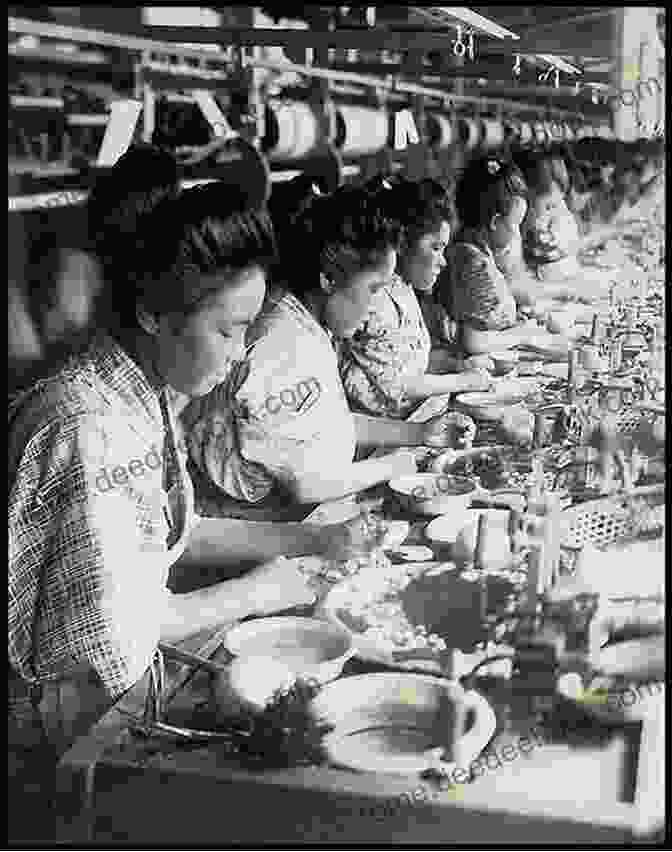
<point x="375" y="298"/>
<point x="201" y="372"/>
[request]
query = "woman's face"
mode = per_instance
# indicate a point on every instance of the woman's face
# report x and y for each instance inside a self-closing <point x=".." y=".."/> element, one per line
<point x="505" y="229"/>
<point x="421" y="264"/>
<point x="197" y="355"/>
<point x="348" y="306"/>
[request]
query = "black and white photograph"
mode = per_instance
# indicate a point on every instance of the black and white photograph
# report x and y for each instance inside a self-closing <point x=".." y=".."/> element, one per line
<point x="336" y="426"/>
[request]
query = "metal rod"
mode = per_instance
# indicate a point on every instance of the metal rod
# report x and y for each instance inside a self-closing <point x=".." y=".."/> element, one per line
<point x="67" y="197"/>
<point x="396" y="85"/>
<point x="564" y="22"/>
<point x="264" y="37"/>
<point x="168" y="39"/>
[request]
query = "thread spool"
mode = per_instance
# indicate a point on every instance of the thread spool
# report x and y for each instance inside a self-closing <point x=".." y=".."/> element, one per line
<point x="292" y="131"/>
<point x="361" y="131"/>
<point x="568" y="132"/>
<point x="605" y="132"/>
<point x="539" y="133"/>
<point x="526" y="133"/>
<point x="469" y="133"/>
<point x="440" y="131"/>
<point x="511" y="131"/>
<point x="492" y="133"/>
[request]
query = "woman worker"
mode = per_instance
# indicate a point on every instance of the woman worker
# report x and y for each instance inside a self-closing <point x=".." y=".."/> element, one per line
<point x="88" y="565"/>
<point x="491" y="201"/>
<point x="390" y="365"/>
<point x="282" y="433"/>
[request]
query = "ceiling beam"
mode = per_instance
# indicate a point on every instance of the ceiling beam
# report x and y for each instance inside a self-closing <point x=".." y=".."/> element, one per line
<point x="170" y="39"/>
<point x="527" y="30"/>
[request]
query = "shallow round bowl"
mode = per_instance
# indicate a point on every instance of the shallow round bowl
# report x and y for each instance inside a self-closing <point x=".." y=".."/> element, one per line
<point x="403" y="723"/>
<point x="310" y="648"/>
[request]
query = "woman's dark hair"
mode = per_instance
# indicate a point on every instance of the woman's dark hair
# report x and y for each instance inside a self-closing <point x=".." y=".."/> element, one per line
<point x="288" y="202"/>
<point x="351" y="222"/>
<point x="487" y="187"/>
<point x="419" y="206"/>
<point x="157" y="244"/>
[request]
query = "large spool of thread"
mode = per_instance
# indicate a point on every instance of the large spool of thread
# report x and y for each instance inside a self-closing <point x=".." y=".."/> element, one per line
<point x="361" y="131"/>
<point x="526" y="133"/>
<point x="469" y="133"/>
<point x="293" y="131"/>
<point x="512" y="131"/>
<point x="440" y="130"/>
<point x="492" y="133"/>
<point x="552" y="132"/>
<point x="539" y="131"/>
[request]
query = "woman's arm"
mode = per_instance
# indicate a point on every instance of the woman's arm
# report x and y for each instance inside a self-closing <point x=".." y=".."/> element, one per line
<point x="381" y="432"/>
<point x="271" y="587"/>
<point x="215" y="541"/>
<point x="479" y="342"/>
<point x="322" y="485"/>
<point x="420" y="387"/>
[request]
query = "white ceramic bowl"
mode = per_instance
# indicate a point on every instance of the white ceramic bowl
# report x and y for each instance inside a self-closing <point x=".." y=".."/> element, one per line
<point x="403" y="723"/>
<point x="434" y="494"/>
<point x="306" y="646"/>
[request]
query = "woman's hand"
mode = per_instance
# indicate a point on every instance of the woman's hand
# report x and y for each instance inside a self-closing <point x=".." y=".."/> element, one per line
<point x="452" y="430"/>
<point x="355" y="538"/>
<point x="277" y="585"/>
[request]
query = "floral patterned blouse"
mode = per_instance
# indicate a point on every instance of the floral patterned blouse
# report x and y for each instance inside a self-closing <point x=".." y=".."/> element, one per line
<point x="476" y="291"/>
<point x="390" y="347"/>
<point x="552" y="237"/>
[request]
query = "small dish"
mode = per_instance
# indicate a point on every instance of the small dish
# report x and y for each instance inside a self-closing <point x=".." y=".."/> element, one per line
<point x="434" y="494"/>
